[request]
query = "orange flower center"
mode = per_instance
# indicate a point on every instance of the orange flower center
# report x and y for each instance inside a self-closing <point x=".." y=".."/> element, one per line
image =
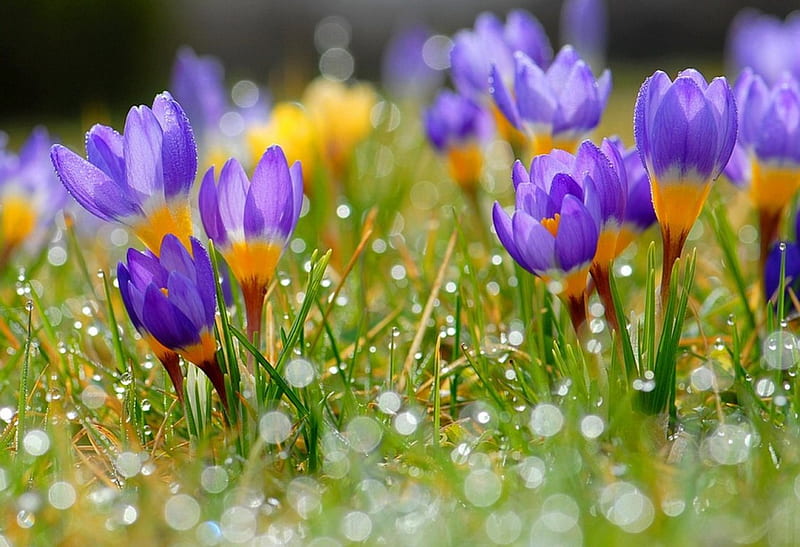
<point x="551" y="224"/>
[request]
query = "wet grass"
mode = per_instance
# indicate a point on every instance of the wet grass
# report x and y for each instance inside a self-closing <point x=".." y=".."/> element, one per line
<point x="414" y="386"/>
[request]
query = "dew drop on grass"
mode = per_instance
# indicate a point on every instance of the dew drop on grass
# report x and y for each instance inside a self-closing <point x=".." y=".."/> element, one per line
<point x="780" y="351"/>
<point x="214" y="479"/>
<point x="482" y="487"/>
<point x="36" y="442"/>
<point x="128" y="464"/>
<point x="181" y="512"/>
<point x="765" y="387"/>
<point x="363" y="434"/>
<point x="729" y="444"/>
<point x="673" y="507"/>
<point x="274" y="427"/>
<point x="238" y="524"/>
<point x="406" y="423"/>
<point x="592" y="426"/>
<point x="503" y="527"/>
<point x="625" y="506"/>
<point x="304" y="495"/>
<point x="546" y="420"/>
<point x="356" y="526"/>
<point x="532" y="471"/>
<point x="61" y="495"/>
<point x="389" y="402"/>
<point x="299" y="372"/>
<point x="560" y="513"/>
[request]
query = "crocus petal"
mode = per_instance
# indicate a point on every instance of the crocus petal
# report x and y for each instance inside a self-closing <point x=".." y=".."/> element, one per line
<point x="772" y="267"/>
<point x="296" y="172"/>
<point x="206" y="285"/>
<point x="534" y="242"/>
<point x="647" y="102"/>
<point x="232" y="193"/>
<point x="721" y="99"/>
<point x="519" y="174"/>
<point x="576" y="240"/>
<point x="142" y="150"/>
<point x="684" y="133"/>
<point x="535" y="99"/>
<point x="505" y="233"/>
<point x="174" y="257"/>
<point x="209" y="209"/>
<point x="523" y="32"/>
<point x="578" y="107"/>
<point x="502" y="98"/>
<point x="269" y="205"/>
<point x="178" y="149"/>
<point x="183" y="294"/>
<point x="166" y="322"/>
<point x="144" y="268"/>
<point x="90" y="186"/>
<point x="124" y="279"/>
<point x="104" y="150"/>
<point x="779" y="124"/>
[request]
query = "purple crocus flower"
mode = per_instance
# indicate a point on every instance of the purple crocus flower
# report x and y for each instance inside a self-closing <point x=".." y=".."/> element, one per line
<point x="764" y="43"/>
<point x="584" y="25"/>
<point x="199" y="84"/>
<point x="30" y="194"/>
<point x="639" y="213"/>
<point x="772" y="267"/>
<point x="685" y="132"/>
<point x="405" y="72"/>
<point x="171" y="300"/>
<point x="767" y="152"/>
<point x="458" y="127"/>
<point x="251" y="220"/>
<point x="142" y="178"/>
<point x="553" y="232"/>
<point x="492" y="43"/>
<point x="556" y="107"/>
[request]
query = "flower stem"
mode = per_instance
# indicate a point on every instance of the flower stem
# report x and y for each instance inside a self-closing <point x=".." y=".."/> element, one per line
<point x="603" y="285"/>
<point x="673" y="247"/>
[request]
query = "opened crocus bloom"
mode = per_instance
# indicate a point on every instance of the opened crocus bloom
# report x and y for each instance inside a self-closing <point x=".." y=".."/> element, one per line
<point x="141" y="178"/>
<point x="553" y="232"/>
<point x="685" y="132"/>
<point x="171" y="300"/>
<point x="250" y="221"/>
<point x="490" y="43"/>
<point x="554" y="108"/>
<point x="30" y="195"/>
<point x="458" y="127"/>
<point x="767" y="153"/>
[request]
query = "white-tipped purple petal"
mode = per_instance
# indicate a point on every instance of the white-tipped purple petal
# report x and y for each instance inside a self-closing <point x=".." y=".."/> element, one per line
<point x="178" y="149"/>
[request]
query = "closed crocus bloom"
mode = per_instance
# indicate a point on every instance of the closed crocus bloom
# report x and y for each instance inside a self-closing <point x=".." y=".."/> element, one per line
<point x="404" y="70"/>
<point x="171" y="300"/>
<point x="492" y="43"/>
<point x="764" y="43"/>
<point x="141" y="178"/>
<point x="788" y="253"/>
<point x="289" y="126"/>
<point x="685" y="132"/>
<point x="341" y="115"/>
<point x="458" y="127"/>
<point x="251" y="220"/>
<point x="553" y="232"/>
<point x="554" y="108"/>
<point x="30" y="195"/>
<point x="198" y="82"/>
<point x="767" y="153"/>
<point x="639" y="213"/>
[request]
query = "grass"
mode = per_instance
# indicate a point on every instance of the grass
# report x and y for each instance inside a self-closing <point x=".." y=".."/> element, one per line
<point x="415" y="387"/>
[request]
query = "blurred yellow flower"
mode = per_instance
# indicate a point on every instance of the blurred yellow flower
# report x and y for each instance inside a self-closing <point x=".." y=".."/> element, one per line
<point x="290" y="127"/>
<point x="341" y="115"/>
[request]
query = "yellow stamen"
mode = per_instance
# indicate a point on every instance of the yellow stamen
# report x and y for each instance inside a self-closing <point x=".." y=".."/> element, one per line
<point x="551" y="224"/>
<point x="678" y="204"/>
<point x="772" y="188"/>
<point x="465" y="163"/>
<point x="17" y="220"/>
<point x="253" y="262"/>
<point x="175" y="218"/>
<point x="201" y="352"/>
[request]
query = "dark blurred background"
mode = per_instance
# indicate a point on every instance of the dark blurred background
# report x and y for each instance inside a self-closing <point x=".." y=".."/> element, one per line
<point x="60" y="59"/>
